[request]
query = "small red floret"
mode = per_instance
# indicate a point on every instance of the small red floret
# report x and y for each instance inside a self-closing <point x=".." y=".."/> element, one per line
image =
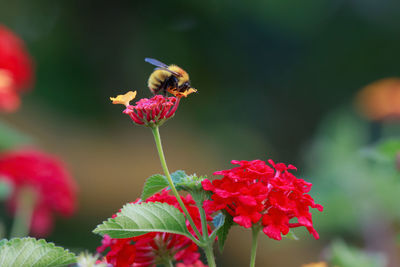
<point x="153" y="111"/>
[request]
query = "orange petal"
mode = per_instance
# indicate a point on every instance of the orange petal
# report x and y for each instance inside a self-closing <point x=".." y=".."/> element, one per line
<point x="124" y="99"/>
<point x="180" y="94"/>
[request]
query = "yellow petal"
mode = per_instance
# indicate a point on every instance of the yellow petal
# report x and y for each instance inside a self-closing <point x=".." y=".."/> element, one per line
<point x="124" y="99"/>
<point x="316" y="264"/>
<point x="180" y="94"/>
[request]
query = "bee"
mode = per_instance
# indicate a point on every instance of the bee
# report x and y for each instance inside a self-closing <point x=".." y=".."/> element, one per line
<point x="170" y="78"/>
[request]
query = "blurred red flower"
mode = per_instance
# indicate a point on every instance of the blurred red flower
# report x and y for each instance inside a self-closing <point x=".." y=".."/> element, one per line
<point x="148" y="111"/>
<point x="46" y="176"/>
<point x="256" y="193"/>
<point x="16" y="70"/>
<point x="154" y="248"/>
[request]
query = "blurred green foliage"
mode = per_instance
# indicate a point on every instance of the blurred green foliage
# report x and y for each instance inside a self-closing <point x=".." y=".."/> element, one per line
<point x="355" y="179"/>
<point x="343" y="255"/>
<point x="272" y="67"/>
<point x="11" y="138"/>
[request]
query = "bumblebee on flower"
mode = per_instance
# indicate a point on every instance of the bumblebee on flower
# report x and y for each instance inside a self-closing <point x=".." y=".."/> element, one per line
<point x="153" y="112"/>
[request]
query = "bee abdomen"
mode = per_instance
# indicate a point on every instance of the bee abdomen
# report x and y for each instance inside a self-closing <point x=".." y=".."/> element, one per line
<point x="156" y="80"/>
<point x="153" y="81"/>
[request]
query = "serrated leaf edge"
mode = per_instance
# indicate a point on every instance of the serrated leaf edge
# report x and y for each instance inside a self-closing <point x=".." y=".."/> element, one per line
<point x="99" y="227"/>
<point x="38" y="243"/>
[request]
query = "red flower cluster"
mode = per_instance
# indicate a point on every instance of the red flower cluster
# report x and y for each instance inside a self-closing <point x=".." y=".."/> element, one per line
<point x="47" y="177"/>
<point x="256" y="193"/>
<point x="148" y="111"/>
<point x="16" y="71"/>
<point x="154" y="110"/>
<point x="155" y="248"/>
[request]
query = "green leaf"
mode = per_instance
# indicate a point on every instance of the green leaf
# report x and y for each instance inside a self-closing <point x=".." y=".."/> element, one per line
<point x="218" y="220"/>
<point x="345" y="256"/>
<point x="191" y="184"/>
<point x="291" y="235"/>
<point x="158" y="182"/>
<point x="385" y="151"/>
<point x="154" y="184"/>
<point x="138" y="219"/>
<point x="223" y="231"/>
<point x="177" y="178"/>
<point x="31" y="252"/>
<point x="389" y="148"/>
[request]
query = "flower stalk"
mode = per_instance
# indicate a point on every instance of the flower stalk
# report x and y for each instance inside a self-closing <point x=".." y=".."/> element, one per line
<point x="205" y="241"/>
<point x="169" y="263"/>
<point x="23" y="214"/>
<point x="255" y="230"/>
<point x="208" y="250"/>
<point x="164" y="166"/>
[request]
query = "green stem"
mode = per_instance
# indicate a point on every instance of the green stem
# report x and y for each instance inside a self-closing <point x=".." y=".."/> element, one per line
<point x="169" y="263"/>
<point x="255" y="231"/>
<point x="23" y="215"/>
<point x="157" y="138"/>
<point x="203" y="222"/>
<point x="210" y="255"/>
<point x="208" y="249"/>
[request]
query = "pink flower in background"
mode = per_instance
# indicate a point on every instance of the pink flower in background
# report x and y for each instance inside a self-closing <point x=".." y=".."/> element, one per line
<point x="16" y="70"/>
<point x="256" y="193"/>
<point x="46" y="176"/>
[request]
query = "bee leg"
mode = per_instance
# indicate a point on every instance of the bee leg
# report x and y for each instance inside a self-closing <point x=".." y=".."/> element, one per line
<point x="170" y="83"/>
<point x="163" y="88"/>
<point x="174" y="83"/>
<point x="184" y="87"/>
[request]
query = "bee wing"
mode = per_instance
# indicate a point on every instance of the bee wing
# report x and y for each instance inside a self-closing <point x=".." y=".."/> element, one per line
<point x="173" y="72"/>
<point x="155" y="62"/>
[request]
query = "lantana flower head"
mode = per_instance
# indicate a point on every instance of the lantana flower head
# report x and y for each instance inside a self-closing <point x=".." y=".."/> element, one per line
<point x="148" y="111"/>
<point x="46" y="176"/>
<point x="262" y="194"/>
<point x="155" y="248"/>
<point x="16" y="70"/>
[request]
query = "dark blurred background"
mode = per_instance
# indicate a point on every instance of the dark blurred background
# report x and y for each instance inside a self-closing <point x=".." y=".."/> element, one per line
<point x="268" y="74"/>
